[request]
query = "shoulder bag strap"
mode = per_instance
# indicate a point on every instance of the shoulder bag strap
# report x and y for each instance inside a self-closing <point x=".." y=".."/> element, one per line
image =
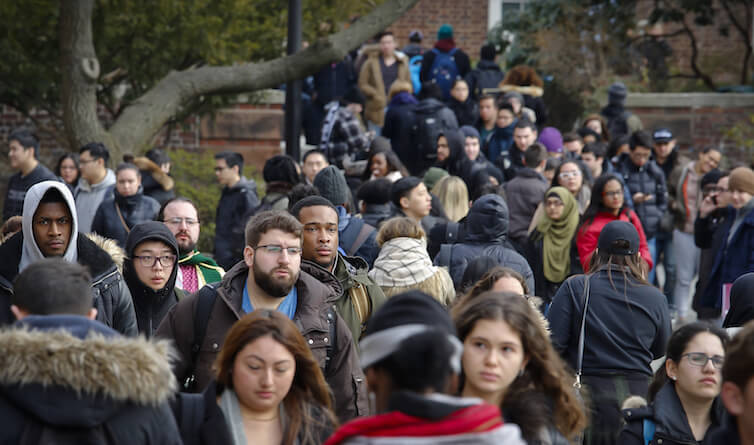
<point x="120" y="215"/>
<point x="580" y="356"/>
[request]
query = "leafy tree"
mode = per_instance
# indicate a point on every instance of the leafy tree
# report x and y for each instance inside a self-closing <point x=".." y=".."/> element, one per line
<point x="149" y="62"/>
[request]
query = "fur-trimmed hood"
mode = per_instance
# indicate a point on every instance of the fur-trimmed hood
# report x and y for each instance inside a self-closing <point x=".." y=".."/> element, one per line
<point x="112" y="248"/>
<point x="69" y="370"/>
<point x="530" y="90"/>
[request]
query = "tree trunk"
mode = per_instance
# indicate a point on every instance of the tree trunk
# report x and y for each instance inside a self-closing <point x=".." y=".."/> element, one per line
<point x="142" y="120"/>
<point x="80" y="70"/>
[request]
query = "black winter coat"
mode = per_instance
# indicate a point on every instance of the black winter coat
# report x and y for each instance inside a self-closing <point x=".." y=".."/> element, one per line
<point x="671" y="426"/>
<point x="121" y="393"/>
<point x="112" y="298"/>
<point x="235" y="204"/>
<point x="154" y="189"/>
<point x="648" y="179"/>
<point x="710" y="241"/>
<point x="466" y="112"/>
<point x="399" y="120"/>
<point x="627" y="323"/>
<point x="486" y="233"/>
<point x="375" y="214"/>
<point x="135" y="209"/>
<point x="534" y="255"/>
<point x="487" y="74"/>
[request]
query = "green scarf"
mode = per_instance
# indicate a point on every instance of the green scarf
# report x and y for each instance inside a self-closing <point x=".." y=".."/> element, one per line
<point x="557" y="236"/>
<point x="206" y="266"/>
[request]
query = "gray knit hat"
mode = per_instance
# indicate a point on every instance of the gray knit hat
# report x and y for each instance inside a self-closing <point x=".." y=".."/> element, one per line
<point x="332" y="185"/>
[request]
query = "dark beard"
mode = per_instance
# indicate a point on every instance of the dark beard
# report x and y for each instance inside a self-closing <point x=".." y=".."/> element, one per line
<point x="183" y="252"/>
<point x="273" y="288"/>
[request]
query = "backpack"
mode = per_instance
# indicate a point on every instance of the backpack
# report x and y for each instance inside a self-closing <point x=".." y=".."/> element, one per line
<point x="355" y="235"/>
<point x="618" y="126"/>
<point x="426" y="129"/>
<point x="415" y="68"/>
<point x="486" y="79"/>
<point x="444" y="70"/>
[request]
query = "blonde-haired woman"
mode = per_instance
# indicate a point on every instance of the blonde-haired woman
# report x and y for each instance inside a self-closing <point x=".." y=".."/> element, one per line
<point x="454" y="196"/>
<point x="404" y="264"/>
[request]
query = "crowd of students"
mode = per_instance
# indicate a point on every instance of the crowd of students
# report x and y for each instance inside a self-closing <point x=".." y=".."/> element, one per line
<point x="470" y="276"/>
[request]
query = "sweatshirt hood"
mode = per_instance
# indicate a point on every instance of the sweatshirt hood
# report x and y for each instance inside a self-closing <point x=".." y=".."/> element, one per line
<point x="31" y="253"/>
<point x="149" y="231"/>
<point x="488" y="220"/>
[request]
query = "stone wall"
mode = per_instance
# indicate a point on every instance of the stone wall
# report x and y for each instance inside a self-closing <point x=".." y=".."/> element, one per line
<point x="696" y="119"/>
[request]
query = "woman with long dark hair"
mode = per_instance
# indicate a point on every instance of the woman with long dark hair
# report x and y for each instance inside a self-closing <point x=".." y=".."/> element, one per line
<point x="269" y="385"/>
<point x="607" y="204"/>
<point x="384" y="164"/>
<point x="684" y="396"/>
<point x="67" y="169"/>
<point x="508" y="361"/>
<point x="609" y="325"/>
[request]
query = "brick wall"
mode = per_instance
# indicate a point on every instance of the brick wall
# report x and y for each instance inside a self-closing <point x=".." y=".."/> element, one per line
<point x="468" y="18"/>
<point x="697" y="120"/>
<point x="719" y="56"/>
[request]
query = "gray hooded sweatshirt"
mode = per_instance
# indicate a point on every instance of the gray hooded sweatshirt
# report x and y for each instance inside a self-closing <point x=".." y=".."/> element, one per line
<point x="89" y="197"/>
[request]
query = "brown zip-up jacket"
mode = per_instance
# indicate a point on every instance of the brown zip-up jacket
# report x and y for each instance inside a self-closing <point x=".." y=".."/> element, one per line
<point x="318" y="290"/>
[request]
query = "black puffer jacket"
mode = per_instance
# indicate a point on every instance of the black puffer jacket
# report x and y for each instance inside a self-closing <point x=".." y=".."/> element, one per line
<point x="669" y="418"/>
<point x="135" y="209"/>
<point x="120" y="396"/>
<point x="486" y="232"/>
<point x="151" y="305"/>
<point x="235" y="203"/>
<point x="110" y="292"/>
<point x="648" y="179"/>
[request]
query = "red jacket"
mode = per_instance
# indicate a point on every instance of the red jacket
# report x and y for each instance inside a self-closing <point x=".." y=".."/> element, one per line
<point x="587" y="236"/>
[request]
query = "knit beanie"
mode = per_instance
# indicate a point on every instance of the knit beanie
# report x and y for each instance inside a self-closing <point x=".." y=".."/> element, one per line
<point x="445" y="32"/>
<point x="551" y="138"/>
<point x="332" y="185"/>
<point x="711" y="177"/>
<point x="617" y="92"/>
<point x="468" y="132"/>
<point x="401" y="317"/>
<point x="433" y="176"/>
<point x="742" y="179"/>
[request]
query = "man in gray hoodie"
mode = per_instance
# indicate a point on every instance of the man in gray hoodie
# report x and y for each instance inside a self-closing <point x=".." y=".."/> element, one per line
<point x="96" y="183"/>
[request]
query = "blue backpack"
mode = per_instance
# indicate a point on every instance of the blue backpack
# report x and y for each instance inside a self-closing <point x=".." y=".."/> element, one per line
<point x="415" y="68"/>
<point x="444" y="70"/>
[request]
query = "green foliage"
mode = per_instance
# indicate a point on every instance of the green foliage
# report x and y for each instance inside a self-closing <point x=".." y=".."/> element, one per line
<point x="138" y="42"/>
<point x="195" y="179"/>
<point x="741" y="135"/>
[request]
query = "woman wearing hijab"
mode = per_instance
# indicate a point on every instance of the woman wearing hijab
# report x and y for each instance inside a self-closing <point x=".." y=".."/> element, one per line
<point x="550" y="250"/>
<point x="150" y="272"/>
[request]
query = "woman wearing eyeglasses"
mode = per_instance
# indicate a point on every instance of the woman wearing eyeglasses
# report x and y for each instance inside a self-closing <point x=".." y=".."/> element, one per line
<point x="607" y="205"/>
<point x="150" y="271"/>
<point x="570" y="174"/>
<point x="684" y="402"/>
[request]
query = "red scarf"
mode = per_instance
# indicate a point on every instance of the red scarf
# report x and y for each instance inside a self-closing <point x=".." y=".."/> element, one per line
<point x="445" y="45"/>
<point x="473" y="419"/>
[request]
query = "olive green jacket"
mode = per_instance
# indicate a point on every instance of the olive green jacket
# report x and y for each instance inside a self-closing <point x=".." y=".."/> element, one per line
<point x="361" y="296"/>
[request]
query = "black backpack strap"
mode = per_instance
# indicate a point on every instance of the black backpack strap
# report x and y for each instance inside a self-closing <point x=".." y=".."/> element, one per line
<point x="354" y="235"/>
<point x="361" y="238"/>
<point x="205" y="300"/>
<point x="451" y="232"/>
<point x="332" y="322"/>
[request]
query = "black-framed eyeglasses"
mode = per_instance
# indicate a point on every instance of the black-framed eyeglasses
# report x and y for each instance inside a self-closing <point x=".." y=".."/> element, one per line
<point x="700" y="359"/>
<point x="275" y="249"/>
<point x="150" y="260"/>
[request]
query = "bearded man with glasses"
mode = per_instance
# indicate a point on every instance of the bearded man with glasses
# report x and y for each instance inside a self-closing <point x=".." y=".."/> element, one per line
<point x="194" y="268"/>
<point x="271" y="276"/>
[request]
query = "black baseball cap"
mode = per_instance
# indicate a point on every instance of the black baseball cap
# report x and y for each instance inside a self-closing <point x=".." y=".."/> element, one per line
<point x="617" y="231"/>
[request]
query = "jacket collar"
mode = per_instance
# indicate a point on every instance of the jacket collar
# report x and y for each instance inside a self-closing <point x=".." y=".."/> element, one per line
<point x="671" y="418"/>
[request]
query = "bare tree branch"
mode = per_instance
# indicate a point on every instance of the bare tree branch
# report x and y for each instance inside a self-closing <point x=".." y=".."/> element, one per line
<point x="145" y="116"/>
<point x="695" y="56"/>
<point x="744" y="31"/>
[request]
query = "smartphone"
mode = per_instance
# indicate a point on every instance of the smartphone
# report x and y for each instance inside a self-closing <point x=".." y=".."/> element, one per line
<point x="714" y="199"/>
